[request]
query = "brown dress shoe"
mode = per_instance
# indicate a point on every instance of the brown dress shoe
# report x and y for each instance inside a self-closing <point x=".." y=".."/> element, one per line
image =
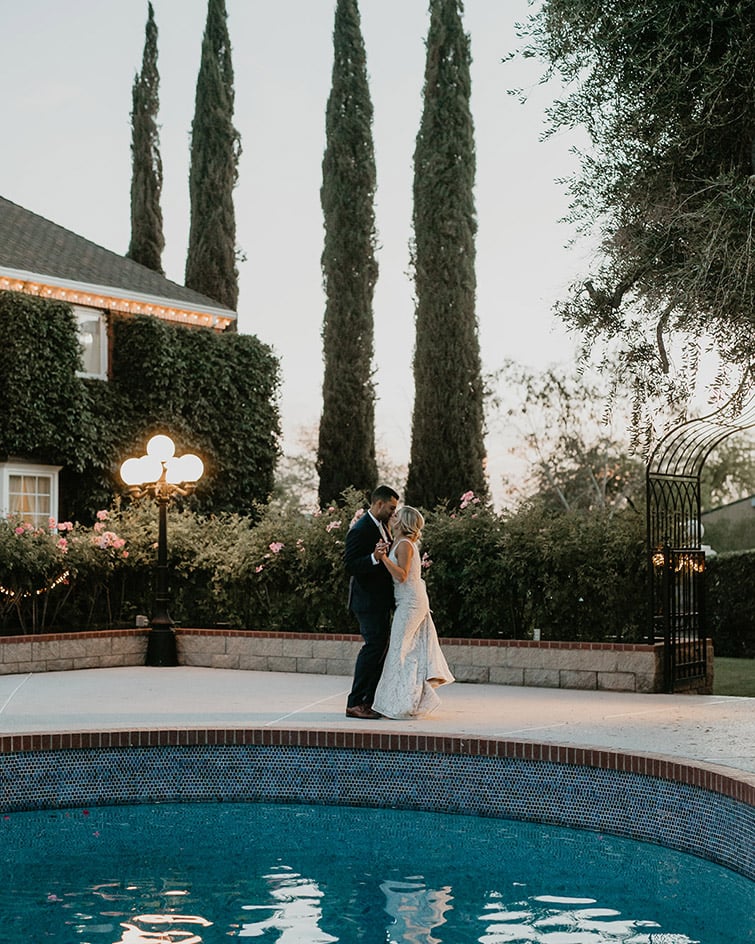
<point x="363" y="712"/>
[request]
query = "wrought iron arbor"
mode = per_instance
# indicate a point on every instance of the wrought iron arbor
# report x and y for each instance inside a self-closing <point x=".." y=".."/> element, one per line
<point x="676" y="559"/>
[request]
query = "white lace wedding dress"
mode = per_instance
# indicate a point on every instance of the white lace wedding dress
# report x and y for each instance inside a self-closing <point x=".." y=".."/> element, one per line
<point x="415" y="665"/>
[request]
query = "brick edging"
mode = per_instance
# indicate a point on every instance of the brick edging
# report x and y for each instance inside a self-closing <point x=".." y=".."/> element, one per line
<point x="75" y="634"/>
<point x="737" y="785"/>
<point x="335" y="637"/>
<point x="449" y="640"/>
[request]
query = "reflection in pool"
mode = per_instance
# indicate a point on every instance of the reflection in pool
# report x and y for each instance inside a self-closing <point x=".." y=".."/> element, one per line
<point x="201" y="873"/>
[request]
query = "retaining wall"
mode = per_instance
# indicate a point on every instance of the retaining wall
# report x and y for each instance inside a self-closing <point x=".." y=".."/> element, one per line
<point x="630" y="668"/>
<point x="597" y="666"/>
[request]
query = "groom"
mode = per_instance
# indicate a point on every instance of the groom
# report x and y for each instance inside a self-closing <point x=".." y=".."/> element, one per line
<point x="370" y="598"/>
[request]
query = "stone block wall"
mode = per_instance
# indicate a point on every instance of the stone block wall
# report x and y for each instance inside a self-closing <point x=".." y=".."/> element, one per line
<point x="573" y="665"/>
<point x="60" y="652"/>
<point x="597" y="666"/>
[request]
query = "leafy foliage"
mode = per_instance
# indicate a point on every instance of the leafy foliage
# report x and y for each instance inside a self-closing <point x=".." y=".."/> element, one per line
<point x="215" y="151"/>
<point x="346" y="448"/>
<point x="447" y="449"/>
<point x="289" y="576"/>
<point x="665" y="91"/>
<point x="470" y="593"/>
<point x="571" y="576"/>
<point x="729" y="471"/>
<point x="147" y="239"/>
<point x="578" y="458"/>
<point x="215" y="394"/>
<point x="730" y="604"/>
<point x="47" y="415"/>
<point x="39" y="567"/>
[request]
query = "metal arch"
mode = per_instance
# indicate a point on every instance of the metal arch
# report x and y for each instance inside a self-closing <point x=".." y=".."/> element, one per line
<point x="684" y="449"/>
<point x="676" y="558"/>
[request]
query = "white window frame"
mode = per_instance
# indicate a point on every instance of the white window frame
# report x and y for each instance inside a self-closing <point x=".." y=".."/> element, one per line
<point x="84" y="314"/>
<point x="18" y="467"/>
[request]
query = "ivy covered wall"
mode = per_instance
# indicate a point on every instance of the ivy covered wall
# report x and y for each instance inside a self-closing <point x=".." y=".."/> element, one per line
<point x="214" y="394"/>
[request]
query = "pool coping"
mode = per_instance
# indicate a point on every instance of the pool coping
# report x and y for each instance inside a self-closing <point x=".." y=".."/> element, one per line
<point x="727" y="781"/>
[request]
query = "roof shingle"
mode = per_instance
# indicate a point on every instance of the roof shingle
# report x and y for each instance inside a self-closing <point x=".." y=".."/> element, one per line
<point x="30" y="243"/>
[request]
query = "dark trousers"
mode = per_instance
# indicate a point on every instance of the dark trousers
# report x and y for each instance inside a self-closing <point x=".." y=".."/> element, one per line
<point x="375" y="627"/>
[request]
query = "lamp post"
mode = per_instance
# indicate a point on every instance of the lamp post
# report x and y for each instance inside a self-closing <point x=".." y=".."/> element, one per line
<point x="161" y="474"/>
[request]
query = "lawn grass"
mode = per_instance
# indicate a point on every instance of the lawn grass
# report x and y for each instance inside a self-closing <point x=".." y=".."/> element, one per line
<point x="734" y="677"/>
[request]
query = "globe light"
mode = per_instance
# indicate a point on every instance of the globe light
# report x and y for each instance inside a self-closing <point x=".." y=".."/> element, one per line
<point x="188" y="468"/>
<point x="174" y="470"/>
<point x="151" y="469"/>
<point x="193" y="467"/>
<point x="161" y="447"/>
<point x="131" y="472"/>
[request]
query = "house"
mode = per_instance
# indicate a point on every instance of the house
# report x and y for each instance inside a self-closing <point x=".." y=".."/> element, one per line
<point x="731" y="527"/>
<point x="40" y="258"/>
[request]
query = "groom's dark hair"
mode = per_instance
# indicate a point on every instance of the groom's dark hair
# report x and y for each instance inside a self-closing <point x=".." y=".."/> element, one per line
<point x="383" y="493"/>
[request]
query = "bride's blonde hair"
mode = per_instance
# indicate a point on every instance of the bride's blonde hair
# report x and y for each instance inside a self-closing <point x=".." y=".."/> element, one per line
<point x="410" y="522"/>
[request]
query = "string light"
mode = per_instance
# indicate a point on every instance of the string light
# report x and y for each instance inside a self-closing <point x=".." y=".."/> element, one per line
<point x="15" y="594"/>
<point x="684" y="561"/>
<point x="113" y="303"/>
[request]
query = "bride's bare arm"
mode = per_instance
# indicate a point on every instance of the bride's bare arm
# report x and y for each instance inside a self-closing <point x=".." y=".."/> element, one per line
<point x="399" y="569"/>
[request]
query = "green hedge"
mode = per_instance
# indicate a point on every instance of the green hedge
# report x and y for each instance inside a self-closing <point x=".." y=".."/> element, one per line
<point x="569" y="576"/>
<point x="730" y="603"/>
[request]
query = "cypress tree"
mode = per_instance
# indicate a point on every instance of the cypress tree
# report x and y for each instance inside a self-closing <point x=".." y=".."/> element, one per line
<point x="447" y="450"/>
<point x="215" y="150"/>
<point x="147" y="240"/>
<point x="346" y="447"/>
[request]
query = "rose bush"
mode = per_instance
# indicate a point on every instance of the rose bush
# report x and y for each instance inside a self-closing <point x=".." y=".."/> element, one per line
<point x="39" y="567"/>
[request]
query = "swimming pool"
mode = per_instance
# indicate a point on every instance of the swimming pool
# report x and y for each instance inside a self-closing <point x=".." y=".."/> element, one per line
<point x="304" y="874"/>
<point x="702" y="810"/>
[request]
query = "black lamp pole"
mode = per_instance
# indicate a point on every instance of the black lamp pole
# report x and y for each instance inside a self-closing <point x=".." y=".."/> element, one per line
<point x="161" y="644"/>
<point x="161" y="475"/>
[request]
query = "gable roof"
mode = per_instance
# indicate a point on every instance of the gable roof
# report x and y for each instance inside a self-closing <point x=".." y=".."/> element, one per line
<point x="39" y="257"/>
<point x="748" y="501"/>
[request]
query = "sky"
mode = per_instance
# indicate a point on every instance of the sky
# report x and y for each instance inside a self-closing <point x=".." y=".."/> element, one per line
<point x="67" y="71"/>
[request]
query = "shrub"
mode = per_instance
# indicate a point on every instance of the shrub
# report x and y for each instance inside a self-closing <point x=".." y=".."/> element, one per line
<point x="573" y="576"/>
<point x="215" y="393"/>
<point x="730" y="604"/>
<point x="470" y="594"/>
<point x="593" y="578"/>
<point x="40" y="568"/>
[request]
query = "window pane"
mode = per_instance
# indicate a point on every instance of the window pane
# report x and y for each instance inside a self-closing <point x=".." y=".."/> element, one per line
<point x="16" y="505"/>
<point x="30" y="497"/>
<point x="92" y="341"/>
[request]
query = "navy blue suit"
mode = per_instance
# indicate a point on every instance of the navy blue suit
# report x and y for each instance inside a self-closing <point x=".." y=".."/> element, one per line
<point x="371" y="601"/>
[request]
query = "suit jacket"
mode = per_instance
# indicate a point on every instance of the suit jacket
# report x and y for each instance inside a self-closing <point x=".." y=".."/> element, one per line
<point x="370" y="586"/>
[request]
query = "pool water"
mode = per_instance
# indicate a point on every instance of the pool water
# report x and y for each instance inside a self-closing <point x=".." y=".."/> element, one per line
<point x="204" y="873"/>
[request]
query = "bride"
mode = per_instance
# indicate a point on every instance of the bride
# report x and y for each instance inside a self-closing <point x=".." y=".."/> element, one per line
<point x="415" y="665"/>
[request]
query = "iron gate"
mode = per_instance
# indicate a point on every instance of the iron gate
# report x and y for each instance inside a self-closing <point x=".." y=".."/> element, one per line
<point x="676" y="559"/>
